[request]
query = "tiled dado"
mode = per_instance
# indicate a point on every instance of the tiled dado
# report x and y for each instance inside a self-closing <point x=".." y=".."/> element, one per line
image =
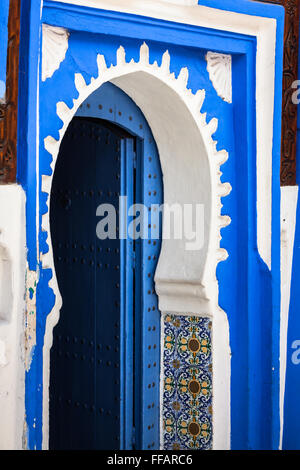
<point x="187" y="388"/>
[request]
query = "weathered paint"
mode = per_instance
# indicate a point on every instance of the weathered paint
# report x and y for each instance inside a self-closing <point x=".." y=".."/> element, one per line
<point x="187" y="383"/>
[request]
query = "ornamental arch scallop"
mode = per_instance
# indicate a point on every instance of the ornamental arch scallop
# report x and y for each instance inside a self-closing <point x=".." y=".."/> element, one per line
<point x="187" y="393"/>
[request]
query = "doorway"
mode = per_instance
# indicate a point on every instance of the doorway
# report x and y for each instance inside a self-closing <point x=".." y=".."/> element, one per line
<point x="104" y="364"/>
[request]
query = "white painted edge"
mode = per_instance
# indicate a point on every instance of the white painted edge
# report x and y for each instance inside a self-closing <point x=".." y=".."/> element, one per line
<point x="264" y="29"/>
<point x="221" y="366"/>
<point x="288" y="209"/>
<point x="220" y="73"/>
<point x="139" y="71"/>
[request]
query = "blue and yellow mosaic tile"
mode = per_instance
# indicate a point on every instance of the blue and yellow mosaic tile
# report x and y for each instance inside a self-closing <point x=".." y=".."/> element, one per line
<point x="187" y="388"/>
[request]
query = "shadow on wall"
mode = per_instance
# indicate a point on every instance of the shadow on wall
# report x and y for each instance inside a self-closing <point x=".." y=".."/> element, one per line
<point x="5" y="285"/>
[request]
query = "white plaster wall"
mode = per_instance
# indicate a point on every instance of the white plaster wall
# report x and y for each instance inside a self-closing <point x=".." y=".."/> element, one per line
<point x="289" y="198"/>
<point x="264" y="29"/>
<point x="12" y="309"/>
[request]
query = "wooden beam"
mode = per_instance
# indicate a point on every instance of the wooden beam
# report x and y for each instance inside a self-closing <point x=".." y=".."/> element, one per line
<point x="9" y="108"/>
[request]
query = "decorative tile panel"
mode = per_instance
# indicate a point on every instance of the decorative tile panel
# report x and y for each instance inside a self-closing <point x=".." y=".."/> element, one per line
<point x="187" y="387"/>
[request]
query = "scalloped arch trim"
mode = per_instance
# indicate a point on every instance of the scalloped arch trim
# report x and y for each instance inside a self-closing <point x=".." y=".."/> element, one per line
<point x="184" y="282"/>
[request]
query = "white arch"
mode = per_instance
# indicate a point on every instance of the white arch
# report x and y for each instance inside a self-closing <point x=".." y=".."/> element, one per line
<point x="185" y="280"/>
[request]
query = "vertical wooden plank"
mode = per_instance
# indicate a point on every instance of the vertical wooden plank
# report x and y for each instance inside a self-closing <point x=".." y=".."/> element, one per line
<point x="9" y="108"/>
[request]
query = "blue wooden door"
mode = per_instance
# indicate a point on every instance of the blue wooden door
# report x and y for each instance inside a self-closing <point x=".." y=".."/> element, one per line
<point x="104" y="380"/>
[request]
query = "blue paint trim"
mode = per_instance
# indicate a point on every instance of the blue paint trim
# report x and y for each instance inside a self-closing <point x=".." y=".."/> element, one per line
<point x="183" y="52"/>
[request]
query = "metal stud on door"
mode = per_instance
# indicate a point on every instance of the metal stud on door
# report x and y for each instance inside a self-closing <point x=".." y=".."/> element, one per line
<point x="120" y="354"/>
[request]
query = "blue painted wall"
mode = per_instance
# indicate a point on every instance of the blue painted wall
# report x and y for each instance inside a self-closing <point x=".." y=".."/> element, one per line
<point x="291" y="434"/>
<point x="4" y="6"/>
<point x="254" y="311"/>
<point x="29" y="68"/>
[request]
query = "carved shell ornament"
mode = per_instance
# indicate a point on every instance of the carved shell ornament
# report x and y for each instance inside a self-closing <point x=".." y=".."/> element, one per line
<point x="55" y="46"/>
<point x="220" y="74"/>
